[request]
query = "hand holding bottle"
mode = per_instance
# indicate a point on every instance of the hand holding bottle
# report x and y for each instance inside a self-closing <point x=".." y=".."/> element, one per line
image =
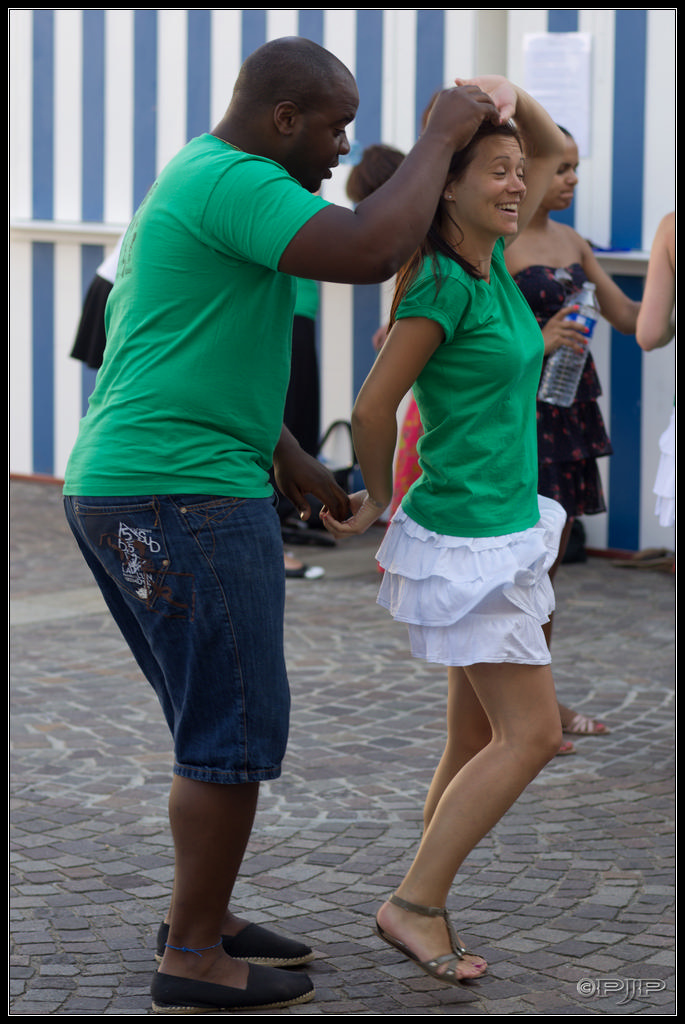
<point x="559" y="330"/>
<point x="564" y="367"/>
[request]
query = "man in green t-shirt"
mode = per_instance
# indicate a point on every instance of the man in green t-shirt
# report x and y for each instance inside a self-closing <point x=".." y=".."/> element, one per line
<point x="167" y="489"/>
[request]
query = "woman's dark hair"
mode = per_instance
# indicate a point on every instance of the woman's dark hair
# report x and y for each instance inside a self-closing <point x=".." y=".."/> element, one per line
<point x="435" y="242"/>
<point x="377" y="165"/>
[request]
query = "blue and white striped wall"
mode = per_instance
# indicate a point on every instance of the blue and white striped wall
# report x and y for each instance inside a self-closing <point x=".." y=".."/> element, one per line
<point x="100" y="99"/>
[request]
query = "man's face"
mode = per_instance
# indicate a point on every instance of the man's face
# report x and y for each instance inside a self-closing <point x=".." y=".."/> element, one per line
<point x="320" y="137"/>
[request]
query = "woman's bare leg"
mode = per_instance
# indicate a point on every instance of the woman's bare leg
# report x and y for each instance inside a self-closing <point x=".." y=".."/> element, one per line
<point x="468" y="731"/>
<point x="522" y="710"/>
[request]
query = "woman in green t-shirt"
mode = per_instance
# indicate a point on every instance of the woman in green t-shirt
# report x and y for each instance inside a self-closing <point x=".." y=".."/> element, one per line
<point x="465" y="557"/>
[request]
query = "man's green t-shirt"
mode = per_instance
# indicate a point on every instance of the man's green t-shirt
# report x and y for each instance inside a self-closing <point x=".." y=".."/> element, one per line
<point x="307" y="298"/>
<point x="476" y="397"/>
<point x="191" y="392"/>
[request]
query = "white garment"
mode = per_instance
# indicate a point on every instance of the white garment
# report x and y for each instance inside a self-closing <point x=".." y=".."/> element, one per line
<point x="664" y="485"/>
<point x="108" y="267"/>
<point x="471" y="600"/>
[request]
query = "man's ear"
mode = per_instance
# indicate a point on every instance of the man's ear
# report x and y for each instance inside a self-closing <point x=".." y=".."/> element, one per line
<point x="286" y="114"/>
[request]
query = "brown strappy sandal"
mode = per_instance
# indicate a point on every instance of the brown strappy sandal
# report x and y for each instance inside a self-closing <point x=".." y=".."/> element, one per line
<point x="432" y="967"/>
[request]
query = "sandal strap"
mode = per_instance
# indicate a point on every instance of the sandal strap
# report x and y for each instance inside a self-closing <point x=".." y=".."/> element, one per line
<point x="438" y="961"/>
<point x="420" y="908"/>
<point x="416" y="908"/>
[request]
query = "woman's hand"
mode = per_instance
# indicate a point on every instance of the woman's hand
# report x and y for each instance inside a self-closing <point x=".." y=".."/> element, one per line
<point x="559" y="331"/>
<point x="365" y="512"/>
<point x="500" y="90"/>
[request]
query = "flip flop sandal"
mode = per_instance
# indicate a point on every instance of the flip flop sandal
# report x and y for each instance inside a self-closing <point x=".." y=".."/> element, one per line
<point x="432" y="967"/>
<point x="582" y="725"/>
<point x="565" y="749"/>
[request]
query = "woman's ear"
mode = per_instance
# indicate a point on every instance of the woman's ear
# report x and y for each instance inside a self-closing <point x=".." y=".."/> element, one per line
<point x="286" y="114"/>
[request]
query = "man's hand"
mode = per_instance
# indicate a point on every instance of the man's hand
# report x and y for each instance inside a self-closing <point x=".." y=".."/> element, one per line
<point x="298" y="474"/>
<point x="458" y="113"/>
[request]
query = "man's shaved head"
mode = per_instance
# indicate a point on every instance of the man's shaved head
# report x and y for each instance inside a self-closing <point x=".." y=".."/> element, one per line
<point x="292" y="103"/>
<point x="291" y="68"/>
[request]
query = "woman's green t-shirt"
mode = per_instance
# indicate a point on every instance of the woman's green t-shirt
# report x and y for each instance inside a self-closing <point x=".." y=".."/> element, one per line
<point x="476" y="397"/>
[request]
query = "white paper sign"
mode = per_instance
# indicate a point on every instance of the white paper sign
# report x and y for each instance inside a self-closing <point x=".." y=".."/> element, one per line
<point x="557" y="73"/>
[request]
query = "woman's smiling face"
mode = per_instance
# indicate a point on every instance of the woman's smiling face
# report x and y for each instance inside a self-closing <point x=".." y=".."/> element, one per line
<point x="485" y="199"/>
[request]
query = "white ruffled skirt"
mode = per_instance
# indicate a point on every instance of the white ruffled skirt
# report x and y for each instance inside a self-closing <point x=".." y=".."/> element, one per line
<point x="471" y="600"/>
<point x="664" y="485"/>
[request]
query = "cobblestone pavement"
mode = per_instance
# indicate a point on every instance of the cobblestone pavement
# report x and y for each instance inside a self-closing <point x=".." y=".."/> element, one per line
<point x="570" y="897"/>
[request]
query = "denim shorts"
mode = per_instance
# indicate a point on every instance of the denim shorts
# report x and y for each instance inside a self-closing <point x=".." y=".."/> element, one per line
<point x="197" y="587"/>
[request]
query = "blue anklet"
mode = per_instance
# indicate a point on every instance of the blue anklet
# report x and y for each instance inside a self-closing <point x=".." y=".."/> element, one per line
<point x="197" y="952"/>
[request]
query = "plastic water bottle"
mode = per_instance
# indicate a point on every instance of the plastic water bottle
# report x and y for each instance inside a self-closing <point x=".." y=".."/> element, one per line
<point x="564" y="368"/>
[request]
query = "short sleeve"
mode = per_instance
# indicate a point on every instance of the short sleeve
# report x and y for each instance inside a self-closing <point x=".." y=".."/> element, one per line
<point x="443" y="300"/>
<point x="255" y="210"/>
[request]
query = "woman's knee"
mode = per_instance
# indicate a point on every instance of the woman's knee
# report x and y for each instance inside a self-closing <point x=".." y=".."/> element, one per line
<point x="534" y="740"/>
<point x="545" y="740"/>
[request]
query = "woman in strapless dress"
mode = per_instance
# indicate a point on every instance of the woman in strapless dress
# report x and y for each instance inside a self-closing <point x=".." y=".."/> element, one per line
<point x="550" y="261"/>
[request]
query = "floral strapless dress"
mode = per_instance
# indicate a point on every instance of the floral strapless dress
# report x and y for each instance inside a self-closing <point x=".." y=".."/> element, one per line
<point x="570" y="440"/>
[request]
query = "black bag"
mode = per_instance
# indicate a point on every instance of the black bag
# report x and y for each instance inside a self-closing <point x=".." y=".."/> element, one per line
<point x="336" y="451"/>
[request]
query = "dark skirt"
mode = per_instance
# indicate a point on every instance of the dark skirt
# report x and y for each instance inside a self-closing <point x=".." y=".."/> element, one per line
<point x="569" y="439"/>
<point x="89" y="344"/>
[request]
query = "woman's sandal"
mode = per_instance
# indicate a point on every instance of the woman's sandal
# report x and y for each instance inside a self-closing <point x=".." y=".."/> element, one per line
<point x="582" y="725"/>
<point x="432" y="967"/>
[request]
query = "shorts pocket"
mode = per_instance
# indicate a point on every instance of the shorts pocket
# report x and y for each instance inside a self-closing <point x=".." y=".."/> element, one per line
<point x="129" y="542"/>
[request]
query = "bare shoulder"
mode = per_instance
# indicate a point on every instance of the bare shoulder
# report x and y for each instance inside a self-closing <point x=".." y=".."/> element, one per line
<point x="555" y="245"/>
<point x="571" y="243"/>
